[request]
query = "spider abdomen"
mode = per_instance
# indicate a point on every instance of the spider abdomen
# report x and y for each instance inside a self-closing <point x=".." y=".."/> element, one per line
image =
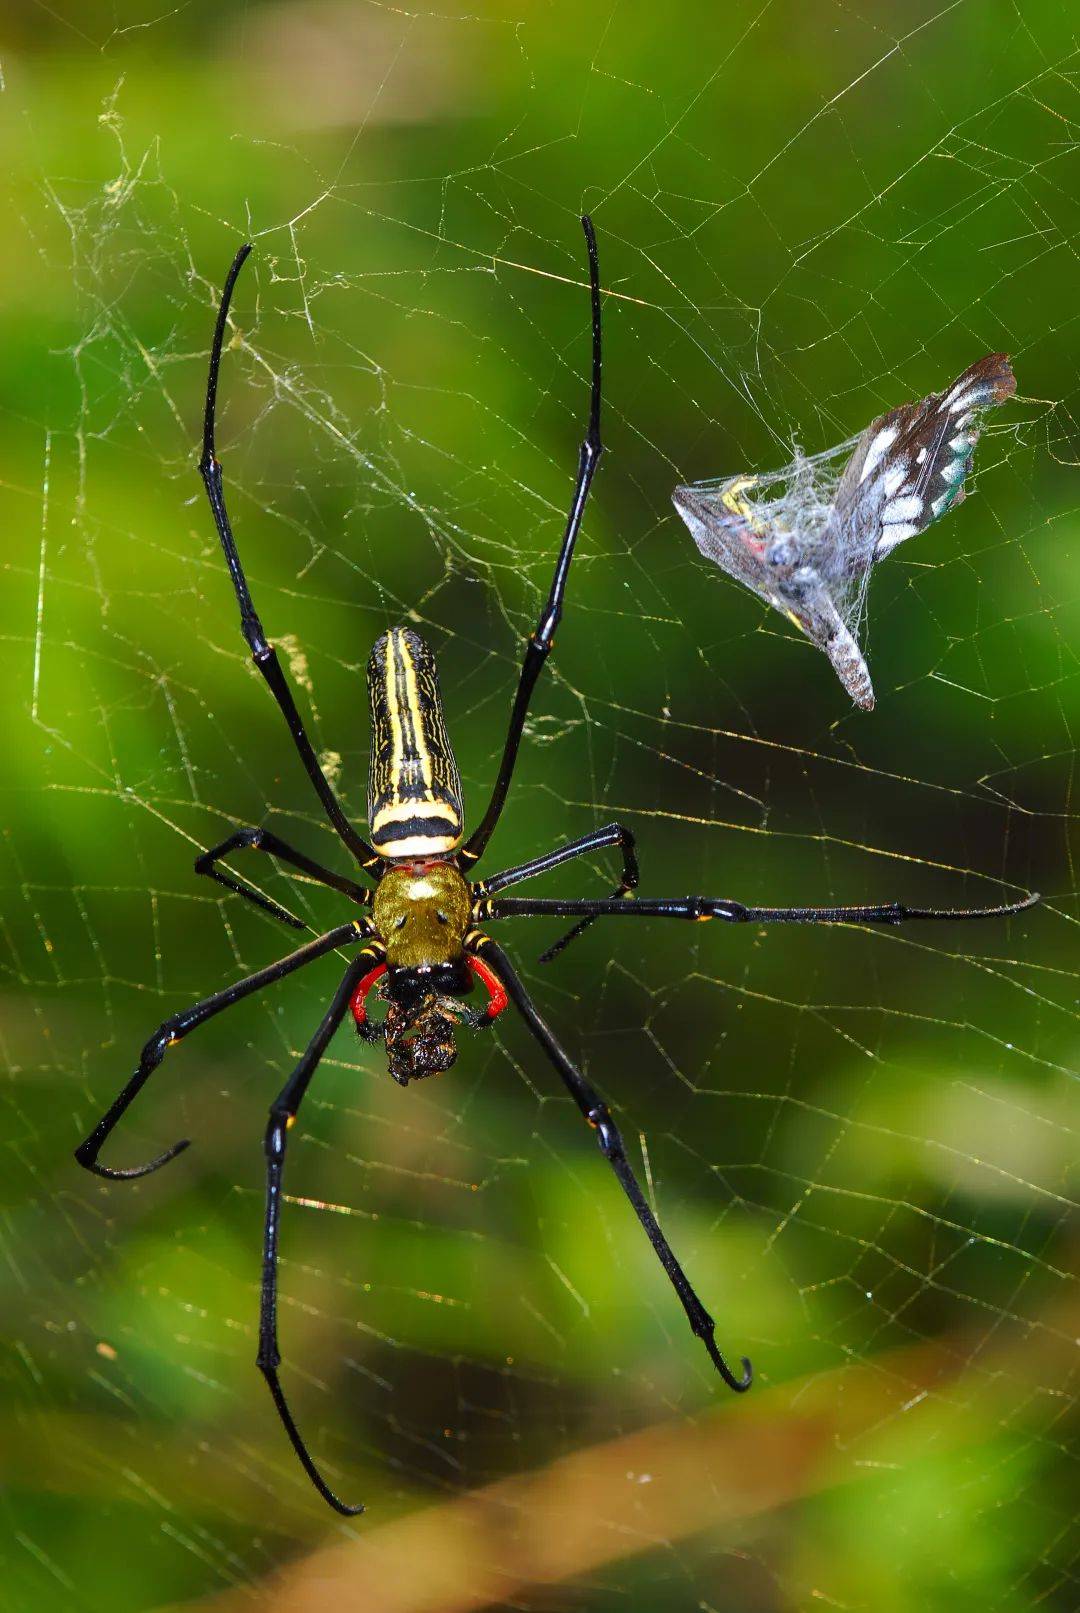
<point x="414" y="788"/>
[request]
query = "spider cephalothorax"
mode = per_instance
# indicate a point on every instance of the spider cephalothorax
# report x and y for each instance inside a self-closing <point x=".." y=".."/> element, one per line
<point x="421" y="947"/>
<point x="422" y="912"/>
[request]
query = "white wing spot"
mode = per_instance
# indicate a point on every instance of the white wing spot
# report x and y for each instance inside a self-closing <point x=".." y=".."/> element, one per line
<point x="902" y="509"/>
<point x="894" y="534"/>
<point x="883" y="441"/>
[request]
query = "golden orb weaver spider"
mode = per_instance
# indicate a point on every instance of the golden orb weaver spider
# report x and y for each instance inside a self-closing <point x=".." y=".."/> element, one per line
<point x="420" y="935"/>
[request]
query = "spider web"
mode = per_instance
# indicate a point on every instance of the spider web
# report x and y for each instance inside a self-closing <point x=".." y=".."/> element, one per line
<point x="859" y="1143"/>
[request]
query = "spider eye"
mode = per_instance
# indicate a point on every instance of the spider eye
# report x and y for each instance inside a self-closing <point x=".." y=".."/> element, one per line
<point x="442" y="918"/>
<point x="400" y="925"/>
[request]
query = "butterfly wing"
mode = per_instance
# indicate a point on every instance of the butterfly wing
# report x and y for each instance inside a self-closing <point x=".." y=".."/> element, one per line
<point x="909" y="466"/>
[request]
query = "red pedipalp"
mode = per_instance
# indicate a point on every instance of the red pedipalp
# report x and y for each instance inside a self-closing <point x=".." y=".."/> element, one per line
<point x="497" y="998"/>
<point x="358" y="1003"/>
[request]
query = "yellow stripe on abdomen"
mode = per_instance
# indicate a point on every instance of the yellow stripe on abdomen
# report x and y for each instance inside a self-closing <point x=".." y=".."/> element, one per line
<point x="414" y="789"/>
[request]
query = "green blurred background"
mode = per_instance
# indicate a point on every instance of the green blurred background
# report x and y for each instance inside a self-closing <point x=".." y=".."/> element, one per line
<point x="860" y="1144"/>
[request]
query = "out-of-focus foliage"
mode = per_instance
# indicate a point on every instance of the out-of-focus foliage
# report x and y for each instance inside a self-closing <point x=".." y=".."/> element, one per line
<point x="858" y="1142"/>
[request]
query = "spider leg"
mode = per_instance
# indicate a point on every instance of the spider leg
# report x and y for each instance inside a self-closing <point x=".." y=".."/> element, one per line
<point x="263" y="654"/>
<point x="263" y="840"/>
<point x="283" y="1112"/>
<point x="626" y="885"/>
<point x="178" y="1026"/>
<point x="595" y="1111"/>
<point x="612" y="834"/>
<point x="700" y="908"/>
<point x="543" y="635"/>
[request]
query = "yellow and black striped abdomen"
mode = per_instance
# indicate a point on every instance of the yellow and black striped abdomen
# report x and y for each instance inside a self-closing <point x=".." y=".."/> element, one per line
<point x="414" y="789"/>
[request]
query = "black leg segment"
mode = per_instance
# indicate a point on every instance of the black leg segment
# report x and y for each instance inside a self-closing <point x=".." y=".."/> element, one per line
<point x="263" y="840"/>
<point x="283" y="1112"/>
<point x="263" y="653"/>
<point x="700" y="908"/>
<point x="612" y="834"/>
<point x="595" y="1111"/>
<point x="543" y="635"/>
<point x="173" y="1030"/>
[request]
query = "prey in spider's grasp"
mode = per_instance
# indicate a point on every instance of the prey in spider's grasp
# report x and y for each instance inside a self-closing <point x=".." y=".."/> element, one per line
<point x="413" y="935"/>
<point x="806" y="538"/>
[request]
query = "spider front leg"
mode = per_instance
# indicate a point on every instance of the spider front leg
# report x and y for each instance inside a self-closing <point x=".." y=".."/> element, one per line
<point x="543" y="635"/>
<point x="596" y="1112"/>
<point x="283" y="1112"/>
<point x="263" y="840"/>
<point x="262" y="652"/>
<point x="612" y="834"/>
<point x="174" y="1029"/>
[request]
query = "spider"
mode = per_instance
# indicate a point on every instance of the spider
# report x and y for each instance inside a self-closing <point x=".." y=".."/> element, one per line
<point x="418" y="941"/>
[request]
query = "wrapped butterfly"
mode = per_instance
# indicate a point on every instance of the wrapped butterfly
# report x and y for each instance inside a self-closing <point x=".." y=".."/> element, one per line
<point x="805" y="538"/>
